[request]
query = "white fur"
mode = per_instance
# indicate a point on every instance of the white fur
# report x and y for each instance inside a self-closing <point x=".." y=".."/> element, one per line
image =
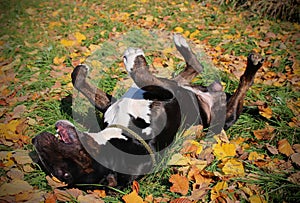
<point x="109" y="133"/>
<point x="120" y="112"/>
<point x="129" y="56"/>
<point x="204" y="95"/>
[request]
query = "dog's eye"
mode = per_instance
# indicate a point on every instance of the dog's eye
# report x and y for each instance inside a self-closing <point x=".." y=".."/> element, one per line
<point x="67" y="176"/>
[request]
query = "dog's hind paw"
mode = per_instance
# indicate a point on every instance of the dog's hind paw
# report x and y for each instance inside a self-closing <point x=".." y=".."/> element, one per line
<point x="79" y="74"/>
<point x="129" y="57"/>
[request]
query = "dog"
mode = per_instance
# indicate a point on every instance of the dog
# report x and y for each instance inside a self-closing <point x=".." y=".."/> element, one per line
<point x="142" y="124"/>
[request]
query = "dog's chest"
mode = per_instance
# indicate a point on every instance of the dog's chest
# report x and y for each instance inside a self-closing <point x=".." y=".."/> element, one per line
<point x="130" y="108"/>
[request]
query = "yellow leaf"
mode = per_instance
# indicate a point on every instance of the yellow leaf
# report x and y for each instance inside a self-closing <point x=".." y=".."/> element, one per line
<point x="8" y="130"/>
<point x="217" y="190"/>
<point x="194" y="34"/>
<point x="224" y="150"/>
<point x="254" y="156"/>
<point x="59" y="60"/>
<point x="178" y="160"/>
<point x="265" y="111"/>
<point x="284" y="147"/>
<point x="80" y="37"/>
<point x="178" y="29"/>
<point x="132" y="197"/>
<point x="233" y="167"/>
<point x="257" y="199"/>
<point x="67" y="43"/>
<point x="52" y="25"/>
<point x="186" y="33"/>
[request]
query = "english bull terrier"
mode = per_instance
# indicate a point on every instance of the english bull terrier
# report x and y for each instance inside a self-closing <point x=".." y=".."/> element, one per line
<point x="142" y="124"/>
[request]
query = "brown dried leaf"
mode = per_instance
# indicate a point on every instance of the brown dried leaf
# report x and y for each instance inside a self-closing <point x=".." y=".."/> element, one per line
<point x="272" y="149"/>
<point x="15" y="187"/>
<point x="295" y="178"/>
<point x="264" y="134"/>
<point x="15" y="174"/>
<point x="284" y="147"/>
<point x="296" y="147"/>
<point x="22" y="157"/>
<point x="89" y="198"/>
<point x="180" y="184"/>
<point x="18" y="111"/>
<point x="296" y="158"/>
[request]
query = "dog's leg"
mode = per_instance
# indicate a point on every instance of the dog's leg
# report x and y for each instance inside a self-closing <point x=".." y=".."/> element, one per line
<point x="235" y="102"/>
<point x="96" y="96"/>
<point x="193" y="66"/>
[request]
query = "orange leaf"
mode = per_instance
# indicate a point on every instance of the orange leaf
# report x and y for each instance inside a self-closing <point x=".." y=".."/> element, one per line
<point x="284" y="147"/>
<point x="135" y="186"/>
<point x="181" y="200"/>
<point x="132" y="197"/>
<point x="180" y="184"/>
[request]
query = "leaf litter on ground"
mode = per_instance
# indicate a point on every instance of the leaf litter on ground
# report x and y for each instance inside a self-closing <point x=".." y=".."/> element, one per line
<point x="69" y="34"/>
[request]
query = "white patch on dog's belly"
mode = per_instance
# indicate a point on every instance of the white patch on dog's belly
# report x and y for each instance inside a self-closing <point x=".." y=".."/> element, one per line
<point x="121" y="112"/>
<point x="109" y="133"/>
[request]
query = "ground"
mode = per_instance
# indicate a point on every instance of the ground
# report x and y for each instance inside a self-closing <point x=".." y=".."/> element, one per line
<point x="257" y="160"/>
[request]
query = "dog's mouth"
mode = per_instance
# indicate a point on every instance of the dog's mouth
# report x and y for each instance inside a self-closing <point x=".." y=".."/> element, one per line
<point x="66" y="132"/>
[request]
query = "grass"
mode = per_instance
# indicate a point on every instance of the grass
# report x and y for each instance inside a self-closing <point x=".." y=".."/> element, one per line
<point x="28" y="41"/>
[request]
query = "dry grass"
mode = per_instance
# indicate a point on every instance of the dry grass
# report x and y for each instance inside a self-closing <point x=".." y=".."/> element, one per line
<point x="283" y="10"/>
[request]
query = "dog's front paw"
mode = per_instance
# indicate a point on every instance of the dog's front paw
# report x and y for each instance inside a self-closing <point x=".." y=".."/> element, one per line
<point x="79" y="75"/>
<point x="129" y="57"/>
<point x="255" y="59"/>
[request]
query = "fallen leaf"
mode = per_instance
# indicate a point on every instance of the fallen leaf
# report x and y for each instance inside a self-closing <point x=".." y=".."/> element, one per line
<point x="295" y="178"/>
<point x="233" y="167"/>
<point x="178" y="160"/>
<point x="257" y="199"/>
<point x="296" y="147"/>
<point x="80" y="37"/>
<point x="181" y="200"/>
<point x="254" y="156"/>
<point x="284" y="147"/>
<point x="265" y="111"/>
<point x="217" y="190"/>
<point x="14" y="187"/>
<point x="223" y="150"/>
<point x="15" y="173"/>
<point x="22" y="157"/>
<point x="272" y="149"/>
<point x="135" y="186"/>
<point x="178" y="29"/>
<point x="132" y="197"/>
<point x="67" y="43"/>
<point x="180" y="184"/>
<point x="24" y="196"/>
<point x="296" y="158"/>
<point x="89" y="198"/>
<point x="59" y="60"/>
<point x="18" y="111"/>
<point x="264" y="134"/>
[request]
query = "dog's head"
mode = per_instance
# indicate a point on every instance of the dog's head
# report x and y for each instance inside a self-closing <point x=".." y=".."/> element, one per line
<point x="64" y="156"/>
